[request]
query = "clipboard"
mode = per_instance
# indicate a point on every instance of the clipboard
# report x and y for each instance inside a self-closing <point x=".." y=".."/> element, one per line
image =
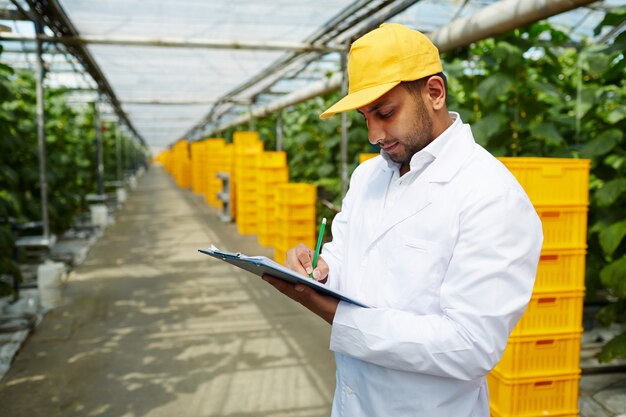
<point x="261" y="265"/>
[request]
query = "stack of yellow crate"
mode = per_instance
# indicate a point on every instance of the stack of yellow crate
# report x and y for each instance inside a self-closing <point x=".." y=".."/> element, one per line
<point x="247" y="148"/>
<point x="295" y="216"/>
<point x="540" y="369"/>
<point x="213" y="152"/>
<point x="165" y="159"/>
<point x="273" y="171"/>
<point x="224" y="163"/>
<point x="197" y="174"/>
<point x="182" y="164"/>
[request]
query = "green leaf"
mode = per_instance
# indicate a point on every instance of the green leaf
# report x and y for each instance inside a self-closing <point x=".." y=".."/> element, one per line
<point x="614" y="349"/>
<point x="597" y="61"/>
<point x="616" y="115"/>
<point x="493" y="87"/>
<point x="610" y="191"/>
<point x="587" y="99"/>
<point x="611" y="313"/>
<point x="488" y="126"/>
<point x="547" y="132"/>
<point x="613" y="276"/>
<point x="612" y="236"/>
<point x="602" y="143"/>
<point x="508" y="54"/>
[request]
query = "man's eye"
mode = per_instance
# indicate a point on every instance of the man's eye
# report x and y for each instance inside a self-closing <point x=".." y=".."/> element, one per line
<point x="385" y="115"/>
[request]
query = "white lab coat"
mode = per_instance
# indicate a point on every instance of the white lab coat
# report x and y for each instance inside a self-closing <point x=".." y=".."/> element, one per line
<point x="449" y="268"/>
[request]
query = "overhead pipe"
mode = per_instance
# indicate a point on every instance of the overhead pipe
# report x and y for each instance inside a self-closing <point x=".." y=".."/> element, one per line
<point x="498" y="18"/>
<point x="490" y="21"/>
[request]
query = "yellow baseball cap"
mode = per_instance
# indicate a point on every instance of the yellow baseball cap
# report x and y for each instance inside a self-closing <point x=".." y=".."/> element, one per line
<point x="382" y="59"/>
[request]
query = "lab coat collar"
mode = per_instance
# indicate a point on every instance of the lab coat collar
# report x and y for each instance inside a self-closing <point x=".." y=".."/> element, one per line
<point x="456" y="147"/>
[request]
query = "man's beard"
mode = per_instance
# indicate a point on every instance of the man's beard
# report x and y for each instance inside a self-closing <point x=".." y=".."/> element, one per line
<point x="420" y="136"/>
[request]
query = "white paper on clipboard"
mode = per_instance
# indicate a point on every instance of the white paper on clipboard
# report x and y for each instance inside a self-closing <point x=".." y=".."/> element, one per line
<point x="261" y="265"/>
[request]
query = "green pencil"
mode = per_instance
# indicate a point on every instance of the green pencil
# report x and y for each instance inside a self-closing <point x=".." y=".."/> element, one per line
<point x="319" y="245"/>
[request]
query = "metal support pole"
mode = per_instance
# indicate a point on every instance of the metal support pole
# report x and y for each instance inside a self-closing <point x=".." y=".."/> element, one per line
<point x="118" y="154"/>
<point x="41" y="135"/>
<point x="251" y="120"/>
<point x="279" y="131"/>
<point x="99" y="156"/>
<point x="344" y="128"/>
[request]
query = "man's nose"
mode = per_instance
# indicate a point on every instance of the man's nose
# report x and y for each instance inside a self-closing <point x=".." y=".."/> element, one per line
<point x="375" y="132"/>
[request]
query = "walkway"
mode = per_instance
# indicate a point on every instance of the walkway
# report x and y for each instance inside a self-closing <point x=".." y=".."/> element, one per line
<point x="153" y="328"/>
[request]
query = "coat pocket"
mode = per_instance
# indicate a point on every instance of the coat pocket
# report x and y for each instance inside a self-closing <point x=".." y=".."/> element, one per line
<point x="415" y="271"/>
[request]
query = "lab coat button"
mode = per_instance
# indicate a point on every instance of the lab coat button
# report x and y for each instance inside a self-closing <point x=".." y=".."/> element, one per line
<point x="348" y="390"/>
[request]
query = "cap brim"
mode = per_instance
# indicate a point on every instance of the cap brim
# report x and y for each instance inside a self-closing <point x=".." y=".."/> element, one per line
<point x="358" y="99"/>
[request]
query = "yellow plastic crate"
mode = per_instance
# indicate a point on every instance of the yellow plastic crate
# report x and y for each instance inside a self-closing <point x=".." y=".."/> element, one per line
<point x="295" y="213"/>
<point x="243" y="138"/>
<point x="265" y="197"/>
<point x="267" y="228"/>
<point x="247" y="211"/>
<point x="280" y="254"/>
<point x="265" y="239"/>
<point x="291" y="241"/>
<point x="295" y="194"/>
<point x="268" y="208"/>
<point x="268" y="189"/>
<point x="561" y="270"/>
<point x="550" y="395"/>
<point x="563" y="225"/>
<point x="527" y="356"/>
<point x="494" y="413"/>
<point x="551" y="312"/>
<point x="246" y="218"/>
<point x="248" y="151"/>
<point x="272" y="159"/>
<point x="365" y="156"/>
<point x="246" y="227"/>
<point x="552" y="180"/>
<point x="297" y="228"/>
<point x="249" y="174"/>
<point x="273" y="175"/>
<point x="247" y="186"/>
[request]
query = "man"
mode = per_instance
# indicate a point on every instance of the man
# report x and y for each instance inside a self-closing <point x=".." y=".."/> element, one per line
<point x="435" y="233"/>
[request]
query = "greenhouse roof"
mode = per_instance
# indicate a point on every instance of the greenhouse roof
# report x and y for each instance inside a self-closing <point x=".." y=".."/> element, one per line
<point x="183" y="68"/>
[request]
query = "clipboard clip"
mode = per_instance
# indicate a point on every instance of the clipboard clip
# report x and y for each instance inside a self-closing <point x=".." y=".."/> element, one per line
<point x="227" y="254"/>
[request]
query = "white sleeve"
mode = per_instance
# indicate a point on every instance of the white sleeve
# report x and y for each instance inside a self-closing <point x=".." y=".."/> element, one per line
<point x="485" y="290"/>
<point x="332" y="252"/>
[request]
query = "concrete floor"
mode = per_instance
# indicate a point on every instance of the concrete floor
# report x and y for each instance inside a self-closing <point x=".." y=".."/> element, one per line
<point x="153" y="328"/>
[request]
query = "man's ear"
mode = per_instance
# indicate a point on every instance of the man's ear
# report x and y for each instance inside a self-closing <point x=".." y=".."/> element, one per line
<point x="436" y="91"/>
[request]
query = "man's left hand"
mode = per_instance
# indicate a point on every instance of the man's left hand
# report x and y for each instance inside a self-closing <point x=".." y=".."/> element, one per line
<point x="322" y="305"/>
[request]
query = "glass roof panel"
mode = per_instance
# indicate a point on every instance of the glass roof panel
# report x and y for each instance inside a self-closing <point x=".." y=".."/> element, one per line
<point x="165" y="90"/>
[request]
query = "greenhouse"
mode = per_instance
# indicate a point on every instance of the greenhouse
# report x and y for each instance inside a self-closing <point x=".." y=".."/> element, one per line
<point x="305" y="209"/>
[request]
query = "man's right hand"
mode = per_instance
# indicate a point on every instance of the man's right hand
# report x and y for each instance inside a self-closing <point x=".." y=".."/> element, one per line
<point x="300" y="259"/>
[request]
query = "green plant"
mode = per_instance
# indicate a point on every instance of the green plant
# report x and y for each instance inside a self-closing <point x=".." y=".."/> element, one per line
<point x="537" y="92"/>
<point x="534" y="91"/>
<point x="70" y="164"/>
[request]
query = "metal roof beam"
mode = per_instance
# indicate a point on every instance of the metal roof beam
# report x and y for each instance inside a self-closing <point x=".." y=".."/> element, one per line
<point x="172" y="43"/>
<point x="15" y="15"/>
